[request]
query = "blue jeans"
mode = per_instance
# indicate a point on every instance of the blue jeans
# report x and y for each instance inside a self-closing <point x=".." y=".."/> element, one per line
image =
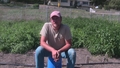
<point x="40" y="53"/>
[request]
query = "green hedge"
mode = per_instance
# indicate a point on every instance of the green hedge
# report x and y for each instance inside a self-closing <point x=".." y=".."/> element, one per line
<point x="98" y="36"/>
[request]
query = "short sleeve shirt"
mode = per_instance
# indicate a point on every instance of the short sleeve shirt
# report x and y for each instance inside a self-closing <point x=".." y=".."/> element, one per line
<point x="56" y="39"/>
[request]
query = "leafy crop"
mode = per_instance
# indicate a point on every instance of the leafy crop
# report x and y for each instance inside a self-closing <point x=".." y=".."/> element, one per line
<point x="19" y="37"/>
<point x="99" y="36"/>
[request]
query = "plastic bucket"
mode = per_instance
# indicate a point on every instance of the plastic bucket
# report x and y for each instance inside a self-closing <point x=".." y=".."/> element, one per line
<point x="53" y="64"/>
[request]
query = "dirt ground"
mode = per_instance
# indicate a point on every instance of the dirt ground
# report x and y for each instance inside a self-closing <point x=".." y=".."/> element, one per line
<point x="83" y="60"/>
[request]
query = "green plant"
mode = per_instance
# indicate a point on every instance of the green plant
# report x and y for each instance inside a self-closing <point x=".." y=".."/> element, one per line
<point x="36" y="6"/>
<point x="99" y="36"/>
<point x="106" y="7"/>
<point x="16" y="35"/>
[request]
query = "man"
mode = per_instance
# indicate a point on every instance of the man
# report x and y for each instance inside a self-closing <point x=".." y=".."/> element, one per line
<point x="55" y="41"/>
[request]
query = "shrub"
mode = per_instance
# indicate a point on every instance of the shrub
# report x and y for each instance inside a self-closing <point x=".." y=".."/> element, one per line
<point x="106" y="7"/>
<point x="36" y="6"/>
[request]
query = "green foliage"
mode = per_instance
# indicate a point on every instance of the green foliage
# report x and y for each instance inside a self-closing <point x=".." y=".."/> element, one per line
<point x="106" y="7"/>
<point x="100" y="6"/>
<point x="30" y="1"/>
<point x="36" y="6"/>
<point x="98" y="2"/>
<point x="108" y="4"/>
<point x="114" y="4"/>
<point x="99" y="36"/>
<point x="19" y="37"/>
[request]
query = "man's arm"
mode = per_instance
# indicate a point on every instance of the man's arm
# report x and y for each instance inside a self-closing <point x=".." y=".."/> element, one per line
<point x="66" y="47"/>
<point x="68" y="40"/>
<point x="54" y="52"/>
<point x="45" y="45"/>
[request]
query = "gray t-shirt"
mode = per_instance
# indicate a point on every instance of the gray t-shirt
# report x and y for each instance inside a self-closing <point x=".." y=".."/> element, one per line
<point x="56" y="39"/>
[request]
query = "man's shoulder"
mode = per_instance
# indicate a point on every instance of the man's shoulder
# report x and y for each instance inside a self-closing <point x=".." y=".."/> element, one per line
<point x="47" y="23"/>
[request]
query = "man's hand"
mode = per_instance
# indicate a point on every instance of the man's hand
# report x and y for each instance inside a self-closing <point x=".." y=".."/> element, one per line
<point x="55" y="55"/>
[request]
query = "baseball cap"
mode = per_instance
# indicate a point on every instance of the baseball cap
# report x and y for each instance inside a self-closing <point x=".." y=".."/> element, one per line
<point x="55" y="13"/>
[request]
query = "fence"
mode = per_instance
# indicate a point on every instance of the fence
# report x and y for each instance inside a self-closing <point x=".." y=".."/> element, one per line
<point x="26" y="13"/>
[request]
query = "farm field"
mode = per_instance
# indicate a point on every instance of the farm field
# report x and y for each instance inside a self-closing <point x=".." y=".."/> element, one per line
<point x="84" y="58"/>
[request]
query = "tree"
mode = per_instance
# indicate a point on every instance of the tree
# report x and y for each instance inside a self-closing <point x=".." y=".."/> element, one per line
<point x="31" y="1"/>
<point x="98" y="2"/>
<point x="114" y="4"/>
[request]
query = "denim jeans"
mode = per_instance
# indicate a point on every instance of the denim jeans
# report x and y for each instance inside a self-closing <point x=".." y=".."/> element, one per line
<point x="40" y="53"/>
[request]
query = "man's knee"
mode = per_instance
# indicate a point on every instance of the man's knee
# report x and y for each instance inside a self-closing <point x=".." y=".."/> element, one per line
<point x="72" y="52"/>
<point x="39" y="50"/>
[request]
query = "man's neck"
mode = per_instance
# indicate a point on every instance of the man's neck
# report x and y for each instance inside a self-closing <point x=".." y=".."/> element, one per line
<point x="58" y="28"/>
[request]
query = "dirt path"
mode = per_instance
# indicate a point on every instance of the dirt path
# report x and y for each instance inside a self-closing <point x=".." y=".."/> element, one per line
<point x="84" y="60"/>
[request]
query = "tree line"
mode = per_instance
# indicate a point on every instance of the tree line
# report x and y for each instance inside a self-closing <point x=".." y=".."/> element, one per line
<point x="107" y="4"/>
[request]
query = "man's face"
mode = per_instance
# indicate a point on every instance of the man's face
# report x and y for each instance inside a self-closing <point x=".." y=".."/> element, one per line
<point x="56" y="21"/>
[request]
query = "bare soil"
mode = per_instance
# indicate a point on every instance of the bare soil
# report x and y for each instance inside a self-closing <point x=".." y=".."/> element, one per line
<point x="84" y="59"/>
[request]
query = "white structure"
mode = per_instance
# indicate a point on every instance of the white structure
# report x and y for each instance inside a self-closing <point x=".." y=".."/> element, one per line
<point x="76" y="3"/>
<point x="61" y="2"/>
<point x="92" y="11"/>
